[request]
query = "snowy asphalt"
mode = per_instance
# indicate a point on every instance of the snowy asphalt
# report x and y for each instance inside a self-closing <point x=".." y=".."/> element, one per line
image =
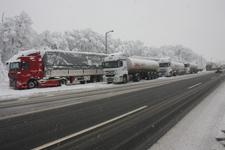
<point x="50" y="98"/>
<point x="121" y="118"/>
<point x="199" y="129"/>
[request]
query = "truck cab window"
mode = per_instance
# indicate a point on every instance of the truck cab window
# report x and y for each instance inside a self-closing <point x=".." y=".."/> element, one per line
<point x="14" y="65"/>
<point x="120" y="63"/>
<point x="24" y="65"/>
<point x="164" y="64"/>
<point x="110" y="64"/>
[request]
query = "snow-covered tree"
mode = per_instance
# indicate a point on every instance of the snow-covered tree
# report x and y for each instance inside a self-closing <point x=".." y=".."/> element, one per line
<point x="3" y="75"/>
<point x="85" y="40"/>
<point x="16" y="33"/>
<point x="53" y="40"/>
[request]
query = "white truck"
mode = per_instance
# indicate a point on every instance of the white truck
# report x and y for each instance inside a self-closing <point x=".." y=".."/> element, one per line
<point x="170" y="68"/>
<point x="119" y="68"/>
<point x="191" y="68"/>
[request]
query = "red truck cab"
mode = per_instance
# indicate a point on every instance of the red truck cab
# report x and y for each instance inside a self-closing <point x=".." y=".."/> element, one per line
<point x="26" y="71"/>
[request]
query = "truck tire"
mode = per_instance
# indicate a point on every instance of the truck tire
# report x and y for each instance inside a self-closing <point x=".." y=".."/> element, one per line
<point x="32" y="84"/>
<point x="148" y="76"/>
<point x="125" y="79"/>
<point x="137" y="78"/>
<point x="92" y="79"/>
<point x="82" y="82"/>
<point x="63" y="82"/>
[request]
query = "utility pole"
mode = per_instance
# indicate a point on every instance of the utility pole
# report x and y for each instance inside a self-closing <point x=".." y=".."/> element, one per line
<point x="3" y="17"/>
<point x="106" y="42"/>
<point x="201" y="61"/>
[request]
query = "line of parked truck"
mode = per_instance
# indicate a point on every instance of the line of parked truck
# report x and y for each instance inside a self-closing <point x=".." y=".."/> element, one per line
<point x="48" y="68"/>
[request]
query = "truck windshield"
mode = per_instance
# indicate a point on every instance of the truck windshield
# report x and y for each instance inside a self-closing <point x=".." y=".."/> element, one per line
<point x="110" y="64"/>
<point x="164" y="64"/>
<point x="14" y="65"/>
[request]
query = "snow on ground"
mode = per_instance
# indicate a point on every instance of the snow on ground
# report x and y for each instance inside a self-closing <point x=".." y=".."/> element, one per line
<point x="198" y="129"/>
<point x="7" y="93"/>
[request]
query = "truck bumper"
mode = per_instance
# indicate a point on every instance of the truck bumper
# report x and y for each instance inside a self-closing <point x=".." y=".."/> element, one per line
<point x="20" y="85"/>
<point x="17" y="84"/>
<point x="114" y="79"/>
<point x="109" y="80"/>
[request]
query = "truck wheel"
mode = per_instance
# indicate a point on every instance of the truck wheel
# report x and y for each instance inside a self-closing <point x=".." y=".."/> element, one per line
<point x="148" y="76"/>
<point x="82" y="82"/>
<point x="32" y="84"/>
<point x="124" y="79"/>
<point x="63" y="82"/>
<point x="137" y="78"/>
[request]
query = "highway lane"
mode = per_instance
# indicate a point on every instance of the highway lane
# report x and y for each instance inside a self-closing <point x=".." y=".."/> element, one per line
<point x="33" y="130"/>
<point x="54" y="100"/>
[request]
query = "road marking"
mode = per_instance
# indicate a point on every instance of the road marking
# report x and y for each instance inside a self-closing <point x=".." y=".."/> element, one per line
<point x="194" y="85"/>
<point x="23" y="98"/>
<point x="89" y="129"/>
<point x="49" y="95"/>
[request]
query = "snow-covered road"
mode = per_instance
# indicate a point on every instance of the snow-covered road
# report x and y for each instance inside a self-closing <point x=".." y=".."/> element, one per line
<point x="198" y="129"/>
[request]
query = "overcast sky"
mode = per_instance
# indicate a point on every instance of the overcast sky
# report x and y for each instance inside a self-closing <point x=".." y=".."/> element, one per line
<point x="197" y="24"/>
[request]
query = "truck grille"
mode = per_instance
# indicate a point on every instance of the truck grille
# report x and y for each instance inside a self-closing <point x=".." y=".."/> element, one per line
<point x="109" y="79"/>
<point x="108" y="75"/>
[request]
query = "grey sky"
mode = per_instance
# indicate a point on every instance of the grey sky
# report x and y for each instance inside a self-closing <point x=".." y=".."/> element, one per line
<point x="197" y="24"/>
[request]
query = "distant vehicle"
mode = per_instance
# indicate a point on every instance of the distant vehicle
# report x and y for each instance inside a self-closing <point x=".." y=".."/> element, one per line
<point x="45" y="68"/>
<point x="210" y="66"/>
<point x="119" y="68"/>
<point x="219" y="70"/>
<point x="191" y="68"/>
<point x="170" y="68"/>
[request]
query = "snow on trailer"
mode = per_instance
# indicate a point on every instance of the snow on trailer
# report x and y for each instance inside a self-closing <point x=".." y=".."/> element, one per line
<point x="44" y="68"/>
<point x="60" y="63"/>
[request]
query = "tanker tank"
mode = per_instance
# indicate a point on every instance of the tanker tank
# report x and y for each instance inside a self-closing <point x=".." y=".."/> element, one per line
<point x="135" y="65"/>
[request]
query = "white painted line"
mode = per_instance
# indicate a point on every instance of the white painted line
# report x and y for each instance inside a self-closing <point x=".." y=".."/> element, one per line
<point x="50" y="95"/>
<point x="194" y="85"/>
<point x="88" y="129"/>
<point x="23" y="98"/>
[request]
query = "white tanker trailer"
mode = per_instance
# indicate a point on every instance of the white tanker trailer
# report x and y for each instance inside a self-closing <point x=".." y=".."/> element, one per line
<point x="191" y="68"/>
<point x="119" y="68"/>
<point x="170" y="68"/>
